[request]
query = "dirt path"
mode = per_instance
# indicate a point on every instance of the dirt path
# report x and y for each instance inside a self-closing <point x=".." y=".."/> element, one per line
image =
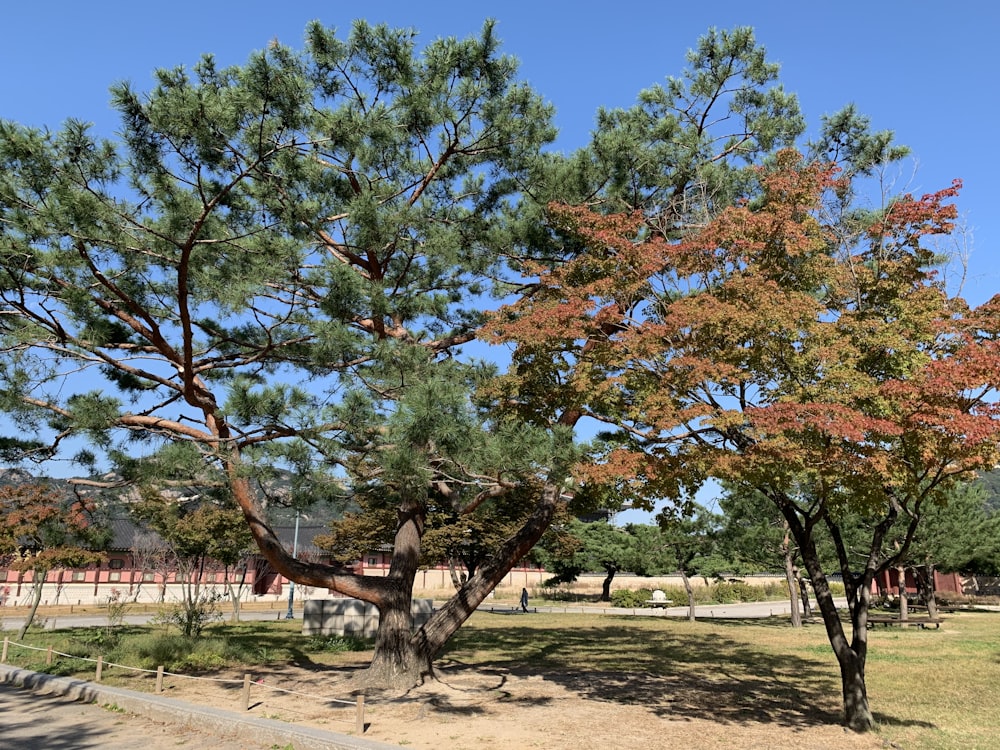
<point x="503" y="709"/>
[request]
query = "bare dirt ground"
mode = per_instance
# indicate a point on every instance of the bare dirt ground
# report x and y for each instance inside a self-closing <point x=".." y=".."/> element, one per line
<point x="467" y="709"/>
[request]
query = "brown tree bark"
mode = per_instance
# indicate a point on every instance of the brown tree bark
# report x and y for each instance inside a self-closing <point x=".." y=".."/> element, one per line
<point x="402" y="658"/>
<point x="793" y="587"/>
<point x="929" y="595"/>
<point x="904" y="601"/>
<point x="686" y="580"/>
<point x="804" y="591"/>
<point x="606" y="585"/>
<point x="851" y="654"/>
<point x="37" y="582"/>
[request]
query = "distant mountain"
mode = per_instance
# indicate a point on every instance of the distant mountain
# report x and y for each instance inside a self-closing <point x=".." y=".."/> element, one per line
<point x="277" y="499"/>
<point x="991" y="483"/>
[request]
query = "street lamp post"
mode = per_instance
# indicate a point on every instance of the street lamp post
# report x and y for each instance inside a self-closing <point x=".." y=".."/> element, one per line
<point x="291" y="584"/>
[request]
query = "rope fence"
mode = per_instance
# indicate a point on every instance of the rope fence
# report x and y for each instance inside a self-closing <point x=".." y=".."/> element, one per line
<point x="246" y="682"/>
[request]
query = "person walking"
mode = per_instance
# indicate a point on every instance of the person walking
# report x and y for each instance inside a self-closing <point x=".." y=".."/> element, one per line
<point x="524" y="600"/>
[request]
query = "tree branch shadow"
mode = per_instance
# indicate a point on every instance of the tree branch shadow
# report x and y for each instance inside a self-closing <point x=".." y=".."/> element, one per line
<point x="674" y="675"/>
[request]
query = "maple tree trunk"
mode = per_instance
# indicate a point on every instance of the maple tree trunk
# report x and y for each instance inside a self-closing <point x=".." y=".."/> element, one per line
<point x="59" y="585"/>
<point x="234" y="595"/>
<point x="851" y="655"/>
<point x="857" y="713"/>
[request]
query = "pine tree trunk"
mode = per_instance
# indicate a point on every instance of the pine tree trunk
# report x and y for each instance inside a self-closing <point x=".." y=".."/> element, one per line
<point x="606" y="586"/>
<point x="446" y="620"/>
<point x="393" y="657"/>
<point x="453" y="572"/>
<point x="400" y="660"/>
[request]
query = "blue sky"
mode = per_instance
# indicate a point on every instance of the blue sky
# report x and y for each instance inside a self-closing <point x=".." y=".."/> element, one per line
<point x="928" y="71"/>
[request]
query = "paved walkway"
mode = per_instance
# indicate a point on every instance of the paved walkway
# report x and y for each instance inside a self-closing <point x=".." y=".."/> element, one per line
<point x="77" y="720"/>
<point x="50" y="722"/>
<point x="743" y="610"/>
<point x="14" y="622"/>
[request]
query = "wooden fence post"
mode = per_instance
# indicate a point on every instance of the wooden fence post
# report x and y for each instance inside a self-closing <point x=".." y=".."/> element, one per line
<point x="100" y="668"/>
<point x="360" y="719"/>
<point x="246" y="692"/>
<point x="6" y="643"/>
<point x="159" y="679"/>
<point x="48" y="656"/>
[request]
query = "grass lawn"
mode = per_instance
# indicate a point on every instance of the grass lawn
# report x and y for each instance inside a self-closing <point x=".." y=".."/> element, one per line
<point x="929" y="689"/>
<point x="933" y="689"/>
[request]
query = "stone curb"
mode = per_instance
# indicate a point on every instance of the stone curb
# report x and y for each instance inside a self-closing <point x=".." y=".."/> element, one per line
<point x="216" y="721"/>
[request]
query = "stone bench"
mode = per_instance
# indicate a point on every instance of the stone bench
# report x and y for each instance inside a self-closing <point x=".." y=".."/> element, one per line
<point x="659" y="600"/>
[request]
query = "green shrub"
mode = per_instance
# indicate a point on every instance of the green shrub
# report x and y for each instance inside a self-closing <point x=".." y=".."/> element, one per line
<point x="207" y="654"/>
<point x="678" y="595"/>
<point x="630" y="598"/>
<point x="177" y="653"/>
<point x="723" y="592"/>
<point x="556" y="593"/>
<point x="730" y="592"/>
<point x="169" y="651"/>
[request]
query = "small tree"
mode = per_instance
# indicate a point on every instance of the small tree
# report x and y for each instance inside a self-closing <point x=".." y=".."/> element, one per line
<point x="678" y="543"/>
<point x="596" y="546"/>
<point x="754" y="534"/>
<point x="43" y="530"/>
<point x="197" y="535"/>
<point x="150" y="555"/>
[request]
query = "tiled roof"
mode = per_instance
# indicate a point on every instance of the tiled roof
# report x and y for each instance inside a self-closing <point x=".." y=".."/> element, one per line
<point x="126" y="534"/>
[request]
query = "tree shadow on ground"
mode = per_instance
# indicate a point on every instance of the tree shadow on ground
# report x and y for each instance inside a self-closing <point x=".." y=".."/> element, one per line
<point x="32" y="728"/>
<point x="676" y="675"/>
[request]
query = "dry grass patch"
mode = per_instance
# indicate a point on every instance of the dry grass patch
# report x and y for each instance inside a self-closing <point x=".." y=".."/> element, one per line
<point x="933" y="689"/>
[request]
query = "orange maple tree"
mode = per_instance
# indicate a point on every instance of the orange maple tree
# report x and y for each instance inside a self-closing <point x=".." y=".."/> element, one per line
<point x="768" y="351"/>
<point x="42" y="530"/>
